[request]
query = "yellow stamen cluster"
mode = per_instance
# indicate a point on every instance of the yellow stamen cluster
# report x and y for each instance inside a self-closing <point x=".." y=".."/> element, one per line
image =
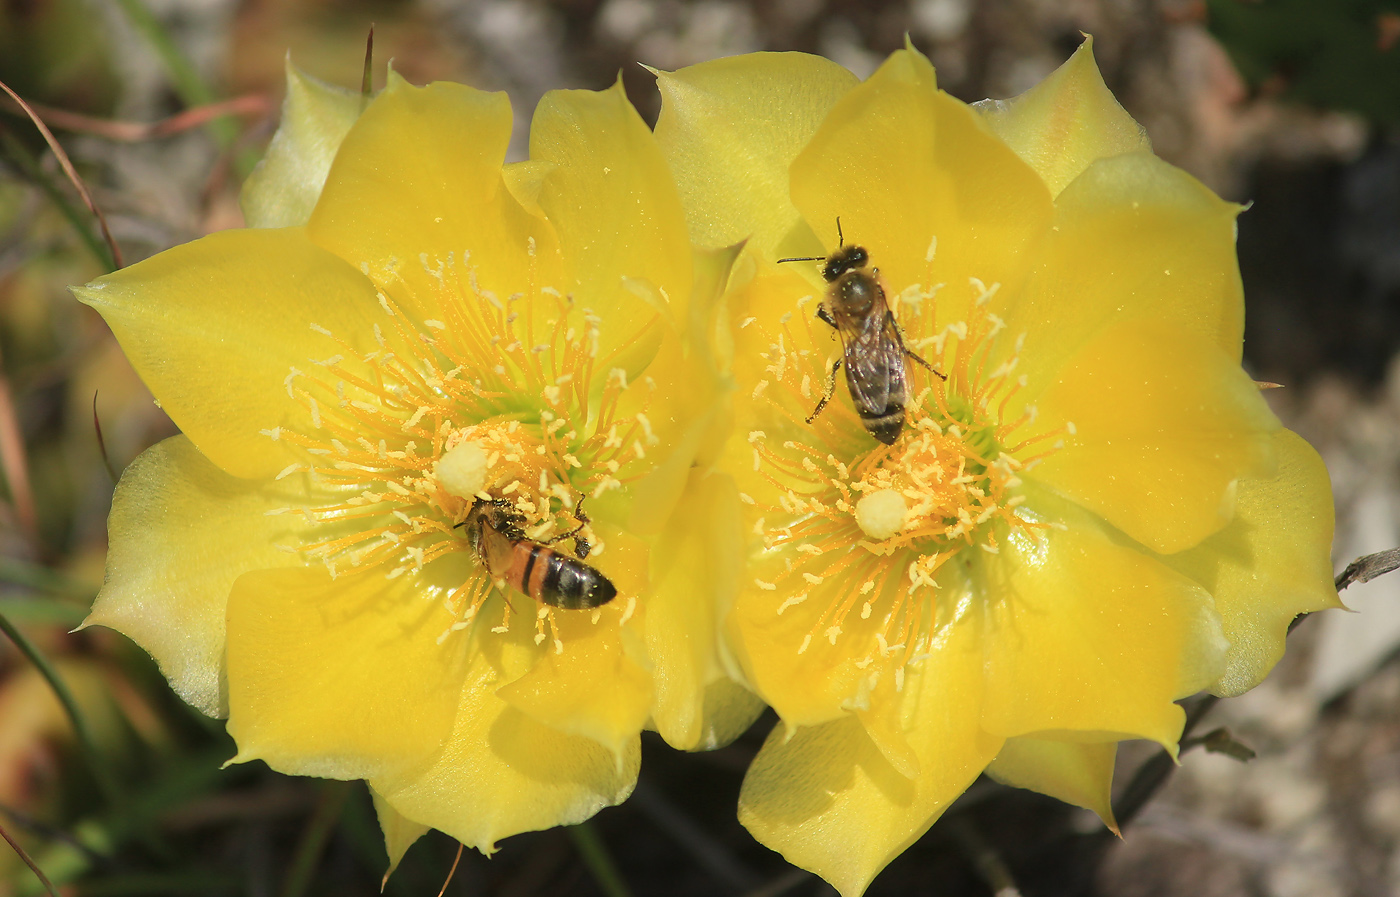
<point x="400" y="443"/>
<point x="858" y="536"/>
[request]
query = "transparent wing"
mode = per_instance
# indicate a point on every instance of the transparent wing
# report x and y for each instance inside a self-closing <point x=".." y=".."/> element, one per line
<point x="874" y="361"/>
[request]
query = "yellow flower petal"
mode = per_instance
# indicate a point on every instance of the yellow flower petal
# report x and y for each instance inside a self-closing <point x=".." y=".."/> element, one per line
<point x="1270" y="563"/>
<point x="441" y="209"/>
<point x="612" y="203"/>
<point x="400" y="832"/>
<point x="343" y="678"/>
<point x="500" y="772"/>
<point x="805" y="688"/>
<point x="729" y="710"/>
<point x="696" y="569"/>
<point x="919" y="180"/>
<point x="1158" y="425"/>
<point x="1076" y="773"/>
<point x="181" y="531"/>
<point x="828" y="800"/>
<point x="1066" y="122"/>
<point x="693" y="416"/>
<point x="216" y="327"/>
<point x="730" y="129"/>
<point x="1089" y="635"/>
<point x="283" y="189"/>
<point x="1133" y="238"/>
<point x="566" y="691"/>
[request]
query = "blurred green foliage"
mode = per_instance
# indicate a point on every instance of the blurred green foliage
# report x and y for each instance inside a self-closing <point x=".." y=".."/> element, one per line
<point x="55" y="52"/>
<point x="1336" y="54"/>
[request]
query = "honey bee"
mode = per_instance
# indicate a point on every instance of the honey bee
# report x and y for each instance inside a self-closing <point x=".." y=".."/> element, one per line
<point x="495" y="531"/>
<point x="873" y="347"/>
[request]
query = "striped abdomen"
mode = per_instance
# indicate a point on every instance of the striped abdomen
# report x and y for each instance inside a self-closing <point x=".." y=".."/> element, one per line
<point x="556" y="579"/>
<point x="887" y="425"/>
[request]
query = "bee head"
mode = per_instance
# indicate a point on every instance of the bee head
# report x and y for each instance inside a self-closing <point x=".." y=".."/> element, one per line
<point x="847" y="258"/>
<point x="495" y="513"/>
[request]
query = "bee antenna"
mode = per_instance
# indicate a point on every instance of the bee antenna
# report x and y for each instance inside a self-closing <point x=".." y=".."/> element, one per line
<point x="805" y="258"/>
<point x="840" y="240"/>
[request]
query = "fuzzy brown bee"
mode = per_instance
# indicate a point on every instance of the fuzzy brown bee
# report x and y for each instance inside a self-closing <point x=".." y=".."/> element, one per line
<point x="873" y="349"/>
<point x="534" y="568"/>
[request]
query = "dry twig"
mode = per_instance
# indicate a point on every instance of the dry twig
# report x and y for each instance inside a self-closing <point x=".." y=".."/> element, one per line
<point x="72" y="173"/>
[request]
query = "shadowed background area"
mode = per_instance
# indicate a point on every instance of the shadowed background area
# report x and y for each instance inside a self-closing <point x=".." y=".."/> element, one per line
<point x="165" y="106"/>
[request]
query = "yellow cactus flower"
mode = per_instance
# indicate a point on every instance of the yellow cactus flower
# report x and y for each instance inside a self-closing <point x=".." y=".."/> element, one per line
<point x="411" y="403"/>
<point x="1088" y="511"/>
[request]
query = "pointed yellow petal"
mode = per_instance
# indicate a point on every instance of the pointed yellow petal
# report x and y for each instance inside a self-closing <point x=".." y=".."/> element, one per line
<point x="1158" y="425"/>
<point x="1088" y="634"/>
<point x="1134" y="239"/>
<point x="417" y="188"/>
<point x="216" y="327"/>
<point x="612" y="202"/>
<point x="828" y="801"/>
<point x="400" y="832"/>
<point x="918" y="179"/>
<point x="1079" y="774"/>
<point x="1066" y="122"/>
<point x="283" y="189"/>
<point x="730" y="129"/>
<point x="1271" y="563"/>
<point x="181" y="531"/>
<point x="500" y="772"/>
<point x="343" y="678"/>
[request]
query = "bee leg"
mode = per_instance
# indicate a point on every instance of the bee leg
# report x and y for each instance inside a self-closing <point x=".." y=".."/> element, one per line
<point x="581" y="545"/>
<point x="826" y="315"/>
<point x="899" y="333"/>
<point x="830" y="391"/>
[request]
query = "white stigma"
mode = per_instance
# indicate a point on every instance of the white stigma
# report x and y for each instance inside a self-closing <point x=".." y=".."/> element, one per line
<point x="881" y="514"/>
<point x="462" y="470"/>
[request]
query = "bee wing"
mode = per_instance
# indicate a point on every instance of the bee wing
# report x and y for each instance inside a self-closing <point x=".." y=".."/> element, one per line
<point x="874" y="361"/>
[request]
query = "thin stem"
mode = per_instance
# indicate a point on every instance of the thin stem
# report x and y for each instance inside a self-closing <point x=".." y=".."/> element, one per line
<point x="598" y="860"/>
<point x="991" y="868"/>
<point x="453" y="871"/>
<point x="65" y="697"/>
<point x="67" y="165"/>
<point x="20" y="155"/>
<point x="33" y="867"/>
<point x="314" y="837"/>
<point x="251" y="105"/>
<point x="367" y="79"/>
<point x="1155" y="771"/>
<point x="102" y="443"/>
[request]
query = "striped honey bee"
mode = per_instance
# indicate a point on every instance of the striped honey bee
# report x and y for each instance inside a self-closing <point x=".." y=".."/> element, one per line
<point x="495" y="532"/>
<point x="873" y="348"/>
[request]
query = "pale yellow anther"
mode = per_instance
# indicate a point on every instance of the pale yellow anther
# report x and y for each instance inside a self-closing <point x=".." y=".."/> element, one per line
<point x="881" y="514"/>
<point x="461" y="471"/>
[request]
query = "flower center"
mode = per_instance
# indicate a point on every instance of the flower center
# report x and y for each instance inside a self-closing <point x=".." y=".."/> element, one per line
<point x="858" y="537"/>
<point x="399" y="444"/>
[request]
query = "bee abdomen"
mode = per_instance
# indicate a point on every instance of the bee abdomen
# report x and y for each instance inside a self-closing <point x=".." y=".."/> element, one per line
<point x="886" y="425"/>
<point x="557" y="579"/>
<point x="571" y="584"/>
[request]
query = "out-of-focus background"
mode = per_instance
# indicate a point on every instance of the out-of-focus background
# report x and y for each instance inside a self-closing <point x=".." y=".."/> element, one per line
<point x="1291" y="105"/>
